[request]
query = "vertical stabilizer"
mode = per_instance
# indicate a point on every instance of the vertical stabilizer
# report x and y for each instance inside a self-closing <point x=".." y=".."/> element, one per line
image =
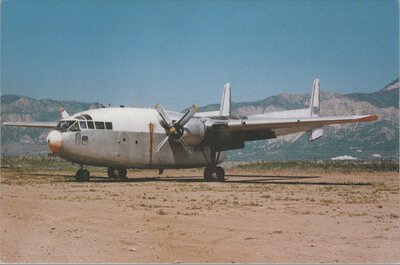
<point x="316" y="133"/>
<point x="64" y="113"/>
<point x="225" y="109"/>
<point x="314" y="103"/>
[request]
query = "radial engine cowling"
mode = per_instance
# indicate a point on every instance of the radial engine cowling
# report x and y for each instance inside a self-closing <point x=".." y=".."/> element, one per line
<point x="194" y="132"/>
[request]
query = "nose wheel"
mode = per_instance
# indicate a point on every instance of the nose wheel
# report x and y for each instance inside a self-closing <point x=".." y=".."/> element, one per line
<point x="82" y="175"/>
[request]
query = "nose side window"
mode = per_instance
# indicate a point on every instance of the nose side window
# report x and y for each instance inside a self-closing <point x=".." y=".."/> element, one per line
<point x="85" y="139"/>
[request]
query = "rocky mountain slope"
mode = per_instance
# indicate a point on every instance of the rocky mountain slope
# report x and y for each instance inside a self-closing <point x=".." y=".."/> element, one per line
<point x="377" y="140"/>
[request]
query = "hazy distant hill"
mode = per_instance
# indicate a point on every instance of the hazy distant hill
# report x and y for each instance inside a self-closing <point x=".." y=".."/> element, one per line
<point x="377" y="140"/>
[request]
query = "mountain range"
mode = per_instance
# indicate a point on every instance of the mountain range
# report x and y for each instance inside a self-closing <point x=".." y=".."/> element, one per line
<point x="362" y="141"/>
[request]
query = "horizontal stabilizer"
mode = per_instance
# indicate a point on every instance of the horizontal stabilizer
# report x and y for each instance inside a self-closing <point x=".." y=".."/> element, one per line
<point x="315" y="134"/>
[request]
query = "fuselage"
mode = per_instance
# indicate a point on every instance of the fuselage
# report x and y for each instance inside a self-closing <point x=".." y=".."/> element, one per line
<point x="123" y="137"/>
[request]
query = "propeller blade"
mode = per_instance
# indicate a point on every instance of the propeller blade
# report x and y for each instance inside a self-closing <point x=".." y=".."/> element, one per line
<point x="186" y="147"/>
<point x="188" y="115"/>
<point x="164" y="115"/>
<point x="161" y="144"/>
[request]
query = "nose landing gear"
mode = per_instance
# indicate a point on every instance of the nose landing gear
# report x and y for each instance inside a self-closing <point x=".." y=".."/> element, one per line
<point x="82" y="175"/>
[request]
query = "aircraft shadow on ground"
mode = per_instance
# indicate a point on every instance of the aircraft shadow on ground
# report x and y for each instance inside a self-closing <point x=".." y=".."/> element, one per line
<point x="250" y="179"/>
<point x="253" y="179"/>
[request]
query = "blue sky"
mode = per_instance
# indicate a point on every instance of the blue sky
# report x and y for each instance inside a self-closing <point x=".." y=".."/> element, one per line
<point x="182" y="52"/>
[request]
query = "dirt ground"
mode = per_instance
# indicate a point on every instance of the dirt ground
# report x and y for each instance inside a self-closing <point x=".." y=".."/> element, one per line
<point x="255" y="216"/>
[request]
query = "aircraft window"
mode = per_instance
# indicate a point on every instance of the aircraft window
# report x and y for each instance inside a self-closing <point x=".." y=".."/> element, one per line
<point x="90" y="125"/>
<point x="99" y="125"/>
<point x="87" y="117"/>
<point x="77" y="138"/>
<point x="85" y="139"/>
<point x="58" y="127"/>
<point x="108" y="125"/>
<point x="81" y="118"/>
<point x="74" y="127"/>
<point x="83" y="125"/>
<point x="64" y="125"/>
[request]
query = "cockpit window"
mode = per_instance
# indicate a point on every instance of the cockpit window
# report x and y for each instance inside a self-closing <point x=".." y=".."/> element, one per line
<point x="87" y="116"/>
<point x="90" y="125"/>
<point x="83" y="124"/>
<point x="74" y="127"/>
<point x="64" y="126"/>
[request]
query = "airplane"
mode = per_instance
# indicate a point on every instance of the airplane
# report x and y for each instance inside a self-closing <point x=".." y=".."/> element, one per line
<point x="152" y="138"/>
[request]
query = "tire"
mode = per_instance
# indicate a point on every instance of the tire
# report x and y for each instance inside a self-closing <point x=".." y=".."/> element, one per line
<point x="82" y="175"/>
<point x="85" y="175"/>
<point x="111" y="172"/>
<point x="220" y="174"/>
<point x="208" y="174"/>
<point x="79" y="174"/>
<point x="122" y="172"/>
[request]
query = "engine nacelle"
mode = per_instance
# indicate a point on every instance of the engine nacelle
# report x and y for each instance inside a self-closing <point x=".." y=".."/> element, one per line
<point x="194" y="132"/>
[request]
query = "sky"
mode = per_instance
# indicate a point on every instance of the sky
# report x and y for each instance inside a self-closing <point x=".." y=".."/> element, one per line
<point x="179" y="53"/>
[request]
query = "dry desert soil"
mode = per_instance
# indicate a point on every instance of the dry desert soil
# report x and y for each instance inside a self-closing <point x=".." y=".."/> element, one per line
<point x="255" y="216"/>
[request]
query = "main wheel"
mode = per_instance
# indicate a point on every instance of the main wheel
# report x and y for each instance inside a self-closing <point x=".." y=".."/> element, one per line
<point x="111" y="172"/>
<point x="208" y="174"/>
<point x="122" y="172"/>
<point x="220" y="174"/>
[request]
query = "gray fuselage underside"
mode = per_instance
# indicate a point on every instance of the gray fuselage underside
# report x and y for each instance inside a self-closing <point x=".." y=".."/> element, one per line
<point x="129" y="150"/>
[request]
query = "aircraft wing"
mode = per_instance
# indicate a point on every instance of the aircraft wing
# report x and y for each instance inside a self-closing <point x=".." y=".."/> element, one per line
<point x="33" y="124"/>
<point x="232" y="133"/>
<point x="275" y="124"/>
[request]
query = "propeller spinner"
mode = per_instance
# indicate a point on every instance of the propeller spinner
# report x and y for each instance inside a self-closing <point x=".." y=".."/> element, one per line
<point x="175" y="129"/>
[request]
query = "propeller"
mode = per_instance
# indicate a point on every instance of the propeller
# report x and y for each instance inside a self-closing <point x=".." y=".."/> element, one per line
<point x="175" y="130"/>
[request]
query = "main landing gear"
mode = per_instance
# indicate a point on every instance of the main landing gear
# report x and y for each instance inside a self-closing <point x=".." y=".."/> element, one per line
<point x="82" y="174"/>
<point x="119" y="173"/>
<point x="213" y="172"/>
<point x="112" y="172"/>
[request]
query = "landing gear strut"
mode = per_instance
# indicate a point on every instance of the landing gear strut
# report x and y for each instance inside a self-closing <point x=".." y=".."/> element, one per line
<point x="82" y="174"/>
<point x="120" y="173"/>
<point x="213" y="172"/>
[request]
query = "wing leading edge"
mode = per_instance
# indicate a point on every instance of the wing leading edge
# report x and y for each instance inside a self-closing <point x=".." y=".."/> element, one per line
<point x="36" y="124"/>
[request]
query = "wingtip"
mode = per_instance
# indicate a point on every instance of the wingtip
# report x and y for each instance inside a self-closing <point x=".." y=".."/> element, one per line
<point x="370" y="118"/>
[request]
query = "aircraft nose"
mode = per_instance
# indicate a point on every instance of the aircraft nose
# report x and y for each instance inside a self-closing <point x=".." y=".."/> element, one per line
<point x="54" y="141"/>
